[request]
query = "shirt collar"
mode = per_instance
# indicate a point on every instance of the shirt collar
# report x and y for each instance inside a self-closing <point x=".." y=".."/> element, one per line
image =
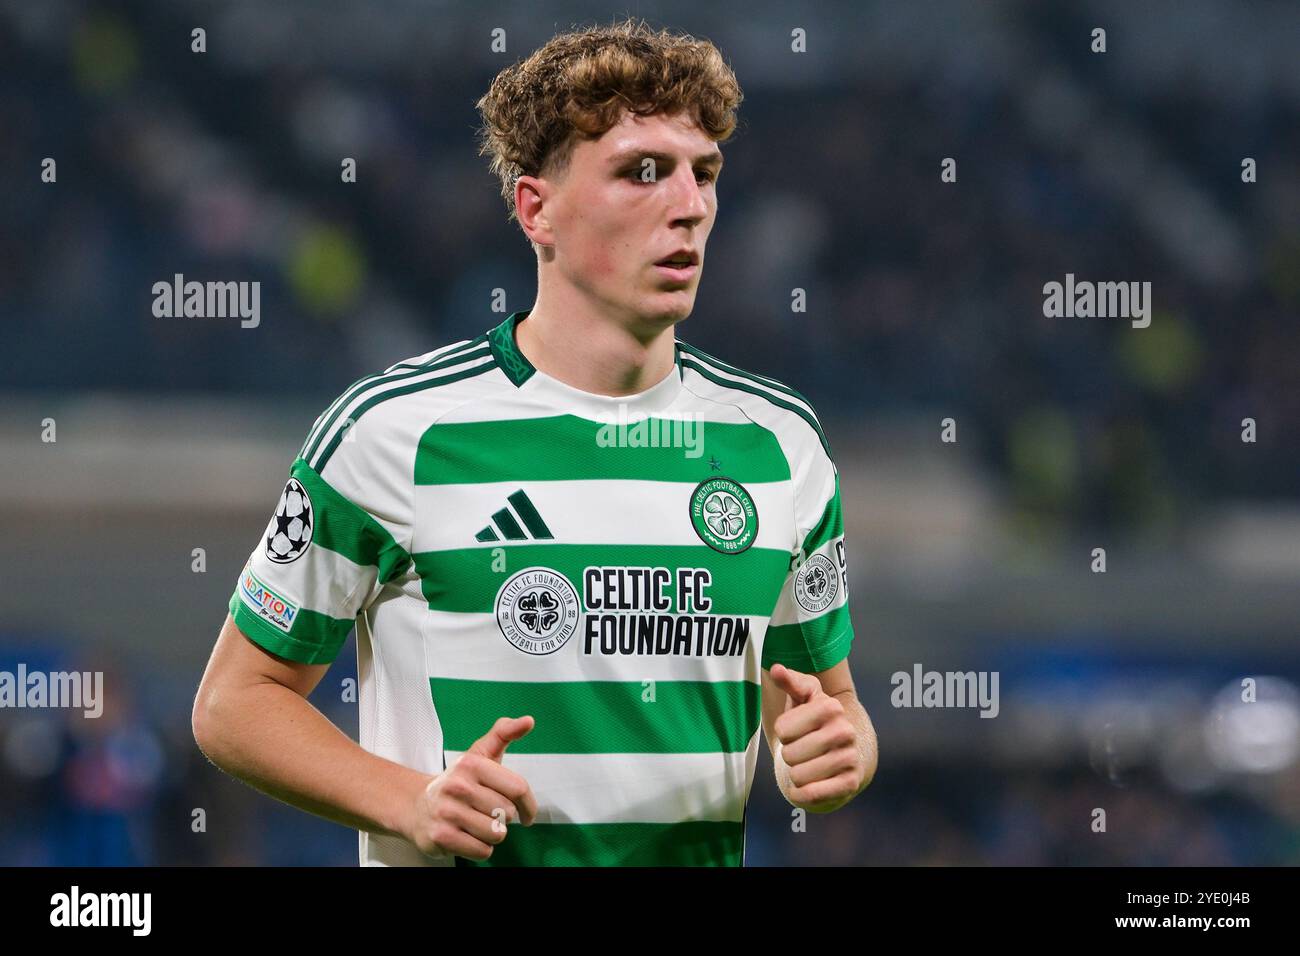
<point x="527" y="377"/>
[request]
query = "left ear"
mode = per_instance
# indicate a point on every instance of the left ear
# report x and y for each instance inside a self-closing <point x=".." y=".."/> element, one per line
<point x="531" y="195"/>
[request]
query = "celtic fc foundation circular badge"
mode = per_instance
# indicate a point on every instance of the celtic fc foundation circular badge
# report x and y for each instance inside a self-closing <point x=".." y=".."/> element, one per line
<point x="537" y="610"/>
<point x="816" y="584"/>
<point x="724" y="515"/>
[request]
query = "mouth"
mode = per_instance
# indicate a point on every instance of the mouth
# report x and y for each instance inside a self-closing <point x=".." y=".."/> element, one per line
<point x="681" y="265"/>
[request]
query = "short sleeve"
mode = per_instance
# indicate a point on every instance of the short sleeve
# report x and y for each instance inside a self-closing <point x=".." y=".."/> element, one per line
<point x="323" y="555"/>
<point x="810" y="629"/>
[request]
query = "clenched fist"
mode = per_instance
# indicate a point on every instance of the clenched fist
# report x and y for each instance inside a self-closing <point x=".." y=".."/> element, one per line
<point x="464" y="810"/>
<point x="818" y="743"/>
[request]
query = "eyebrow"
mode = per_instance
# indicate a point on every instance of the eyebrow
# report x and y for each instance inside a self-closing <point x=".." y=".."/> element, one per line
<point x="627" y="155"/>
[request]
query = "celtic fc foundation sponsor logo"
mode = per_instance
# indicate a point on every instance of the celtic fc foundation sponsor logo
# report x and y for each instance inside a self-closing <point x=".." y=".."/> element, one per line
<point x="816" y="584"/>
<point x="537" y="610"/>
<point x="724" y="515"/>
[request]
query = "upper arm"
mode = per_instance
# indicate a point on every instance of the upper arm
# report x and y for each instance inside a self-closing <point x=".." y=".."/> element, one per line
<point x="235" y="658"/>
<point x="319" y="562"/>
<point x="332" y="543"/>
<point x="237" y="663"/>
<point x="810" y="629"/>
<point x="339" y="534"/>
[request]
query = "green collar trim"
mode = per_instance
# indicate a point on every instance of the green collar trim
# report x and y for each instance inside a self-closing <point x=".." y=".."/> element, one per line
<point x="509" y="359"/>
<point x="512" y="361"/>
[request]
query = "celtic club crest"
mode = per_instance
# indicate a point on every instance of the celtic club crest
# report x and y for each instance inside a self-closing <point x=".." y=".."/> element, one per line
<point x="724" y="515"/>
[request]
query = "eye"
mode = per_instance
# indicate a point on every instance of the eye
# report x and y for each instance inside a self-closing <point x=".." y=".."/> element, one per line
<point x="705" y="175"/>
<point x="635" y="175"/>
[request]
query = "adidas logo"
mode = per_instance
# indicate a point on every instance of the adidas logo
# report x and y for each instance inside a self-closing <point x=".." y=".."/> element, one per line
<point x="506" y="522"/>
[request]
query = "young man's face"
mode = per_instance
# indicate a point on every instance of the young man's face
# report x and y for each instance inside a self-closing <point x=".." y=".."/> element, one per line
<point x="627" y="201"/>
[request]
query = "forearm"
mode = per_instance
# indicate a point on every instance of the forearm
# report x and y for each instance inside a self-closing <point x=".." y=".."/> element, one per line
<point x="277" y="742"/>
<point x="865" y="741"/>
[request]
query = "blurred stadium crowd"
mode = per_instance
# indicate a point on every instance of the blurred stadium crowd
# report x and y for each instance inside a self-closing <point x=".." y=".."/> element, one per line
<point x="1124" y="166"/>
<point x="921" y="295"/>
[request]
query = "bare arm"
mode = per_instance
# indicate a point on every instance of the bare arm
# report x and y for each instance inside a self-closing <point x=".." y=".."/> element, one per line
<point x="253" y="720"/>
<point x="830" y="747"/>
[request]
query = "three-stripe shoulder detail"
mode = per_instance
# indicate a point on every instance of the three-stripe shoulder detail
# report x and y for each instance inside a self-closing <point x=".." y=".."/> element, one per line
<point x="327" y="417"/>
<point x="453" y="364"/>
<point x="729" y="376"/>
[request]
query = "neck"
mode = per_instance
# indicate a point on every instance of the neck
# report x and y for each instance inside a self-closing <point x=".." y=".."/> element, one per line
<point x="588" y="350"/>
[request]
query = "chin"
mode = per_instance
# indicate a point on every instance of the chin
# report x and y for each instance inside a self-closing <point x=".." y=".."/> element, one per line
<point x="666" y="315"/>
<point x="668" y="307"/>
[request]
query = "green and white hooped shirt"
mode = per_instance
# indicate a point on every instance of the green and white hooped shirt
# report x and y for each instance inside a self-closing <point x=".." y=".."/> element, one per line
<point x="619" y="568"/>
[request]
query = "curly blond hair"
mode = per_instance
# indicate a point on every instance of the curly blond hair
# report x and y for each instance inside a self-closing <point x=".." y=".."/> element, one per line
<point x="580" y="83"/>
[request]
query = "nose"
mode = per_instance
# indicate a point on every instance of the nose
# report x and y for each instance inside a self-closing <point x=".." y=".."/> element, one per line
<point x="689" y="206"/>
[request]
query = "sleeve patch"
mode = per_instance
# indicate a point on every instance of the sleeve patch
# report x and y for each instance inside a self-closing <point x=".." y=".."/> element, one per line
<point x="289" y="532"/>
<point x="265" y="603"/>
<point x="816" y="584"/>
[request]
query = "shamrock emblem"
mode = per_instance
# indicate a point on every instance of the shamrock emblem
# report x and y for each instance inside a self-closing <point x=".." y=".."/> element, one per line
<point x="723" y="515"/>
<point x="538" y="611"/>
<point x="817" y="582"/>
